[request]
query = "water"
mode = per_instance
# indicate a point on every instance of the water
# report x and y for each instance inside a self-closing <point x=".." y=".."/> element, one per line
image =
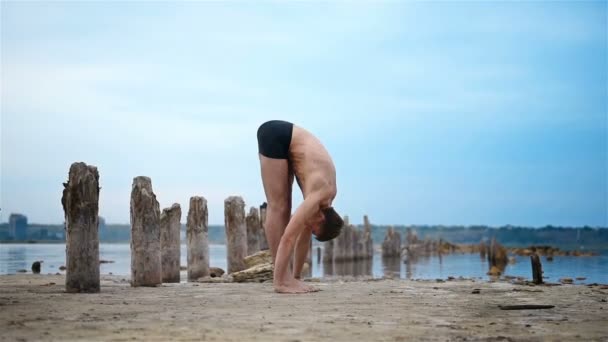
<point x="14" y="257"/>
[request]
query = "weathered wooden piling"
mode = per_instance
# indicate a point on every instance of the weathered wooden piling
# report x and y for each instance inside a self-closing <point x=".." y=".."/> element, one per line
<point x="318" y="255"/>
<point x="253" y="231"/>
<point x="328" y="262"/>
<point x="537" y="269"/>
<point x="197" y="238"/>
<point x="411" y="237"/>
<point x="146" y="269"/>
<point x="391" y="253"/>
<point x="342" y="244"/>
<point x="328" y="251"/>
<point x="356" y="246"/>
<point x="348" y="252"/>
<point x="352" y="244"/>
<point x="483" y="248"/>
<point x="170" y="243"/>
<point x="236" y="233"/>
<point x="367" y="238"/>
<point x="497" y="258"/>
<point x="391" y="247"/>
<point x="80" y="202"/>
<point x="366" y="224"/>
<point x="309" y="256"/>
<point x="262" y="232"/>
<point x="391" y="267"/>
<point x="307" y="267"/>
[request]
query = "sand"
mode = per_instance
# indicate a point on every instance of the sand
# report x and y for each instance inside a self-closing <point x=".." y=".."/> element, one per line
<point x="32" y="308"/>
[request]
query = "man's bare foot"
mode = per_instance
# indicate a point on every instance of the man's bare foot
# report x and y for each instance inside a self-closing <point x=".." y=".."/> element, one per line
<point x="293" y="286"/>
<point x="307" y="287"/>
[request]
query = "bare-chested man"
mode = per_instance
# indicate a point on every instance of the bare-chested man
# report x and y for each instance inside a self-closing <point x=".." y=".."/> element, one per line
<point x="286" y="150"/>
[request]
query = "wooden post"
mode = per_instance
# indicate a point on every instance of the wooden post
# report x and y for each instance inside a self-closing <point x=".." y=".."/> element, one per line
<point x="197" y="232"/>
<point x="328" y="257"/>
<point x="170" y="243"/>
<point x="366" y="225"/>
<point x="318" y="255"/>
<point x="306" y="271"/>
<point x="369" y="243"/>
<point x="355" y="243"/>
<point x="339" y="250"/>
<point x="328" y="251"/>
<point x="348" y="243"/>
<point x="253" y="231"/>
<point x="80" y="202"/>
<point x="386" y="244"/>
<point x="411" y="237"/>
<point x="309" y="255"/>
<point x="397" y="244"/>
<point x="482" y="249"/>
<point x="262" y="232"/>
<point x="391" y="247"/>
<point x="537" y="269"/>
<point x="145" y="234"/>
<point x="236" y="233"/>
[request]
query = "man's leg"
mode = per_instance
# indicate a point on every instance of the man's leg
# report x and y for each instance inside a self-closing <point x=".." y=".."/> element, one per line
<point x="278" y="181"/>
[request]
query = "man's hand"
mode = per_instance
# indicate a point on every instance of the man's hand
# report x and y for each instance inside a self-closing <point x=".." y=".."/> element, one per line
<point x="284" y="281"/>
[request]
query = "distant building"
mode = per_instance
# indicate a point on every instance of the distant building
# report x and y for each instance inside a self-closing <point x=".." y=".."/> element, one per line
<point x="17" y="226"/>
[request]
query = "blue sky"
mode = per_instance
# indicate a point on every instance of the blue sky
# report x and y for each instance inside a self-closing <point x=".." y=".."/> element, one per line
<point x="435" y="113"/>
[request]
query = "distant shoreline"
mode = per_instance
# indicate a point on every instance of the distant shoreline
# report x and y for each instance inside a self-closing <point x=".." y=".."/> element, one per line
<point x="31" y="242"/>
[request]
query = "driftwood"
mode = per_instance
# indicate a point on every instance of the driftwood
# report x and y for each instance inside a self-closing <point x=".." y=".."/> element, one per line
<point x="258" y="258"/>
<point x="525" y="307"/>
<point x="215" y="272"/>
<point x="257" y="274"/>
<point x="258" y="268"/>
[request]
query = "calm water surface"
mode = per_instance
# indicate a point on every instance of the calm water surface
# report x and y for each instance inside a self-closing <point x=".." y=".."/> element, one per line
<point x="14" y="257"/>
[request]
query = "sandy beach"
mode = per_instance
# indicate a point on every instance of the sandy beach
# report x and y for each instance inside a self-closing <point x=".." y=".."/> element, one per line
<point x="35" y="308"/>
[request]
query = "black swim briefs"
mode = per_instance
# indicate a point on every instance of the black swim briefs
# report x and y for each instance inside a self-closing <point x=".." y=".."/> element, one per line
<point x="274" y="138"/>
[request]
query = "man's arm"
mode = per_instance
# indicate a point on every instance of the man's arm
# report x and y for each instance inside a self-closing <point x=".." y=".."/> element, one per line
<point x="301" y="252"/>
<point x="296" y="226"/>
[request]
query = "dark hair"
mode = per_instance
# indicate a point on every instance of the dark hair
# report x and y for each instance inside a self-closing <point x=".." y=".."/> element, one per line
<point x="332" y="226"/>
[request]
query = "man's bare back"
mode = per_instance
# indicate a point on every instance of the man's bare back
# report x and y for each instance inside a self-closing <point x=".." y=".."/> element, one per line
<point x="287" y="150"/>
<point x="312" y="164"/>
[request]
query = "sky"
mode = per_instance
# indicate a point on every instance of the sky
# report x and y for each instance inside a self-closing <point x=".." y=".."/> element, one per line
<point x="454" y="113"/>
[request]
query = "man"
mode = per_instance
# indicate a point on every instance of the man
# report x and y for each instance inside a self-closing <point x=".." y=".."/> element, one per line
<point x="285" y="151"/>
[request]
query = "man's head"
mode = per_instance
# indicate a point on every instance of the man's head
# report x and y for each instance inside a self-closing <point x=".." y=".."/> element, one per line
<point x="331" y="226"/>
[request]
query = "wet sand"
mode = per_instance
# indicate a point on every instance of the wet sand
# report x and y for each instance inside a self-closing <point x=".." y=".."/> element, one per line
<point x="32" y="308"/>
